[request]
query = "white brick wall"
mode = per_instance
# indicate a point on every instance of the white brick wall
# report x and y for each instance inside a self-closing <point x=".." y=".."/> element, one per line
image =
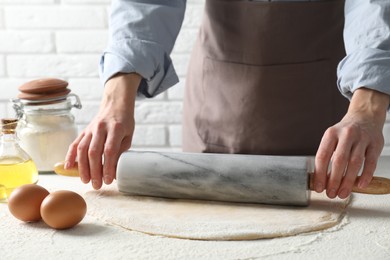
<point x="55" y="17"/>
<point x="64" y="38"/>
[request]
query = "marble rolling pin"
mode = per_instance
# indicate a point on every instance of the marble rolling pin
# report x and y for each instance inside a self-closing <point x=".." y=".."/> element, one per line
<point x="282" y="180"/>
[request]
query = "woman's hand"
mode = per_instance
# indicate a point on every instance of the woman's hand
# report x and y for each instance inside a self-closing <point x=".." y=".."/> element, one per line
<point x="109" y="134"/>
<point x="354" y="143"/>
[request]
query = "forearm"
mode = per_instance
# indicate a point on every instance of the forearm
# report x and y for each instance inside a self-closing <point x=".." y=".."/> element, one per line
<point x="370" y="103"/>
<point x="120" y="92"/>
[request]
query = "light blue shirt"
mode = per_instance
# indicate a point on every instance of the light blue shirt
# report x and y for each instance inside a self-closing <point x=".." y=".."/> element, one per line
<point x="143" y="33"/>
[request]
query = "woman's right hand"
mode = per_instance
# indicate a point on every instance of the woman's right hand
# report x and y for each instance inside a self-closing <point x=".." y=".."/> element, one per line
<point x="108" y="135"/>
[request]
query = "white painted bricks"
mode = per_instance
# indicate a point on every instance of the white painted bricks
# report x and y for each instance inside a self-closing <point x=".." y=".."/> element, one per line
<point x="56" y="17"/>
<point x="81" y="41"/>
<point x="65" y="38"/>
<point x="55" y="65"/>
<point x="22" y="41"/>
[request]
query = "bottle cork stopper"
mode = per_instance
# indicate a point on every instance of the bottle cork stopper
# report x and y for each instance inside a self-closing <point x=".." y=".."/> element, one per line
<point x="8" y="125"/>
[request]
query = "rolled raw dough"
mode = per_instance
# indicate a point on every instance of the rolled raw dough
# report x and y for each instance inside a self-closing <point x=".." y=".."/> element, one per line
<point x="205" y="220"/>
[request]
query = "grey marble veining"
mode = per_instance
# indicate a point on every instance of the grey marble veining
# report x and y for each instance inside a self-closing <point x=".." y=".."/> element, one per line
<point x="221" y="177"/>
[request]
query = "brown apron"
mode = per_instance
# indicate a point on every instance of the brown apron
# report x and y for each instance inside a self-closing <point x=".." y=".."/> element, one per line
<point x="262" y="77"/>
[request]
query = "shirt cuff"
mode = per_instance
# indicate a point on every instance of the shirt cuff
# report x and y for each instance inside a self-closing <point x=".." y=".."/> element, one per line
<point x="148" y="59"/>
<point x="369" y="68"/>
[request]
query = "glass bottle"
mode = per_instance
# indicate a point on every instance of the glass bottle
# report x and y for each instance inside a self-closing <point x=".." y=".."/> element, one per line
<point x="16" y="166"/>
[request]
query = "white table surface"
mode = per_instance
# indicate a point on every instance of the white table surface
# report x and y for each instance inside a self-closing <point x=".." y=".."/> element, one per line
<point x="364" y="233"/>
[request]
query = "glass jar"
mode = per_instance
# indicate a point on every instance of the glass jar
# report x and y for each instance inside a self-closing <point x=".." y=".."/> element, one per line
<point x="46" y="129"/>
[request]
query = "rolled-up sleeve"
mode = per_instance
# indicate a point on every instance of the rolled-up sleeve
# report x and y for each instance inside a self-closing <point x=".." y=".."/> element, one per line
<point x="367" y="43"/>
<point x="142" y="34"/>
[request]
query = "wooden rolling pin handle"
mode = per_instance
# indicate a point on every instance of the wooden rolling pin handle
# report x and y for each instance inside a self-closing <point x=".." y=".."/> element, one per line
<point x="378" y="185"/>
<point x="60" y="170"/>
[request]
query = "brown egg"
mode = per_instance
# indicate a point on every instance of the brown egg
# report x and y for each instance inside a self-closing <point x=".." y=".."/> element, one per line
<point x="63" y="209"/>
<point x="25" y="201"/>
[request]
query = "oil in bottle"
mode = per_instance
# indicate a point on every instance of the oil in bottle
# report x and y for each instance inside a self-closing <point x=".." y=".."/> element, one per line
<point x="16" y="166"/>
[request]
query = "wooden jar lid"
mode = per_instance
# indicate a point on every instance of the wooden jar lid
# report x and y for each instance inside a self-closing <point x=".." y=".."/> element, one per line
<point x="45" y="88"/>
<point x="41" y="96"/>
<point x="45" y="85"/>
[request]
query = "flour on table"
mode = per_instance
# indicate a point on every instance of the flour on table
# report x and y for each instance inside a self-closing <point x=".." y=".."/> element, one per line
<point x="205" y="220"/>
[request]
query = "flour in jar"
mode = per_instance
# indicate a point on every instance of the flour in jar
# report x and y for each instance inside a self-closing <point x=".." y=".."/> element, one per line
<point x="46" y="138"/>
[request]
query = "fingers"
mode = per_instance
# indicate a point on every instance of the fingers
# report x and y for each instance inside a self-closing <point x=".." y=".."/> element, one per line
<point x="83" y="160"/>
<point x="95" y="152"/>
<point x="347" y="149"/>
<point x="343" y="150"/>
<point x="370" y="164"/>
<point x="340" y="162"/>
<point x="323" y="157"/>
<point x="353" y="167"/>
<point x="111" y="155"/>
<point x="112" y="150"/>
<point x="362" y="156"/>
<point x="71" y="155"/>
<point x="100" y="139"/>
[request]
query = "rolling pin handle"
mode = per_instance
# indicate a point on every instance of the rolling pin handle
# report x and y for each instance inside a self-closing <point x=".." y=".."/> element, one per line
<point x="378" y="185"/>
